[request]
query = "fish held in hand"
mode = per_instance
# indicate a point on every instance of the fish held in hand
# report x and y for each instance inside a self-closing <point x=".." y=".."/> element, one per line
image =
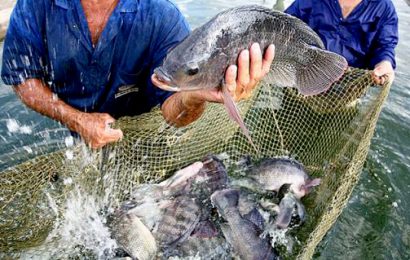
<point x="201" y="60"/>
<point x="240" y="233"/>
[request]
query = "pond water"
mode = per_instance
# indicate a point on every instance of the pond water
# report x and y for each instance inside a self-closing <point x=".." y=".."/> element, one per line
<point x="376" y="222"/>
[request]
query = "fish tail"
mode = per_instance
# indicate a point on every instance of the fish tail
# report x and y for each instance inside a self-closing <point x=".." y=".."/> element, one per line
<point x="324" y="69"/>
<point x="234" y="114"/>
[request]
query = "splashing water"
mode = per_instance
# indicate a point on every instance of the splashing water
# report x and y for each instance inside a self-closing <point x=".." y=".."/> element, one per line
<point x="80" y="230"/>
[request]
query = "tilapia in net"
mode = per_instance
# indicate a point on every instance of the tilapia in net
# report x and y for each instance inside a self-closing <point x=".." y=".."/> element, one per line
<point x="329" y="133"/>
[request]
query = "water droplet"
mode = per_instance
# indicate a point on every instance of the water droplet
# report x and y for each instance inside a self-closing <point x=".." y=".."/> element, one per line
<point x="69" y="154"/>
<point x="69" y="141"/>
<point x="12" y="125"/>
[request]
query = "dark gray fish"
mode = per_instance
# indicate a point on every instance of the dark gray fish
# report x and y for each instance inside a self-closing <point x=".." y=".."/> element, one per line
<point x="205" y="229"/>
<point x="256" y="218"/>
<point x="289" y="207"/>
<point x="200" y="61"/>
<point x="178" y="221"/>
<point x="134" y="237"/>
<point x="168" y="208"/>
<point x="212" y="177"/>
<point x="204" y="248"/>
<point x="240" y="233"/>
<point x="271" y="174"/>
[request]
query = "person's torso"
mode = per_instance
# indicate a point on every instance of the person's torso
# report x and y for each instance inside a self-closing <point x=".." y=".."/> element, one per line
<point x="113" y="76"/>
<point x="352" y="36"/>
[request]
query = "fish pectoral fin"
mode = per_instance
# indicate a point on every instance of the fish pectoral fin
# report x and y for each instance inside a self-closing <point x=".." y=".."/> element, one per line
<point x="301" y="211"/>
<point x="324" y="69"/>
<point x="284" y="217"/>
<point x="234" y="114"/>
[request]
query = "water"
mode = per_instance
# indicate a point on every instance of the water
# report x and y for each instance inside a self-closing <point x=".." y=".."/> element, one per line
<point x="374" y="225"/>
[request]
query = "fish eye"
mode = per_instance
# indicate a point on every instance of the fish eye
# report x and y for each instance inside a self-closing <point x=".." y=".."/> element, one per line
<point x="192" y="71"/>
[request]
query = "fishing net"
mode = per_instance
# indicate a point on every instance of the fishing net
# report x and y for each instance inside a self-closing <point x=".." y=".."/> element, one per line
<point x="329" y="133"/>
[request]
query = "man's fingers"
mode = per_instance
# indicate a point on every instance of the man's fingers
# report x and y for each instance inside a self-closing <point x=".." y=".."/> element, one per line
<point x="256" y="62"/>
<point x="243" y="69"/>
<point x="230" y="78"/>
<point x="380" y="71"/>
<point x="107" y="118"/>
<point x="268" y="59"/>
<point x="113" y="134"/>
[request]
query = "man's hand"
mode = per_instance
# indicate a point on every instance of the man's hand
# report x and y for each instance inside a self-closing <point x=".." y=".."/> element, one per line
<point x="95" y="129"/>
<point x="240" y="79"/>
<point x="185" y="107"/>
<point x="383" y="72"/>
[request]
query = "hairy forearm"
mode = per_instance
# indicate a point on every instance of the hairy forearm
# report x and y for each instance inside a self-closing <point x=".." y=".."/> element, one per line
<point x="36" y="95"/>
<point x="181" y="109"/>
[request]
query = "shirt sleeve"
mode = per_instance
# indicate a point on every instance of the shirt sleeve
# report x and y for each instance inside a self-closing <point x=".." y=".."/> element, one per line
<point x="172" y="29"/>
<point x="387" y="38"/>
<point x="300" y="9"/>
<point x="23" y="51"/>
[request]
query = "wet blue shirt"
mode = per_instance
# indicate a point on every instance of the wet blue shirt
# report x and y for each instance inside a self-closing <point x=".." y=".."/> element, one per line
<point x="50" y="40"/>
<point x="366" y="37"/>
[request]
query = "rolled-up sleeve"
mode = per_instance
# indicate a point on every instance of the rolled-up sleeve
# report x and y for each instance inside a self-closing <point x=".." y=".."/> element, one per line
<point x="387" y="38"/>
<point x="23" y="52"/>
<point x="173" y="30"/>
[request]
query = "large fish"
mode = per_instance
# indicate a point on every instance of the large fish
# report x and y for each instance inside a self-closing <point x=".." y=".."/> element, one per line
<point x="134" y="237"/>
<point x="200" y="61"/>
<point x="272" y="173"/>
<point x="178" y="222"/>
<point x="242" y="234"/>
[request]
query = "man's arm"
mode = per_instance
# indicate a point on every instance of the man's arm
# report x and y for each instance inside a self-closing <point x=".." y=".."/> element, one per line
<point x="183" y="108"/>
<point x="383" y="54"/>
<point x="93" y="127"/>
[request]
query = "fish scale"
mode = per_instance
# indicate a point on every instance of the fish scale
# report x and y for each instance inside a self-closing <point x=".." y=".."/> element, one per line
<point x="178" y="221"/>
<point x="201" y="60"/>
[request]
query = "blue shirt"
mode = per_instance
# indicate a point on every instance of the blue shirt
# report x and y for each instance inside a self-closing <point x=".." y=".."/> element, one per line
<point x="50" y="40"/>
<point x="366" y="37"/>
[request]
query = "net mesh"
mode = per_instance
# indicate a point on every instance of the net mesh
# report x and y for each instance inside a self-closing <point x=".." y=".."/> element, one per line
<point x="329" y="133"/>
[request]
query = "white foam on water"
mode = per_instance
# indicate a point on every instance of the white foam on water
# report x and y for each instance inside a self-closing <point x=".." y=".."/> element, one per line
<point x="280" y="237"/>
<point x="14" y="127"/>
<point x="69" y="141"/>
<point x="69" y="154"/>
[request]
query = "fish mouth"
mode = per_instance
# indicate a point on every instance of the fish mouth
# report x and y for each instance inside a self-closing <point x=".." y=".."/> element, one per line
<point x="161" y="79"/>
